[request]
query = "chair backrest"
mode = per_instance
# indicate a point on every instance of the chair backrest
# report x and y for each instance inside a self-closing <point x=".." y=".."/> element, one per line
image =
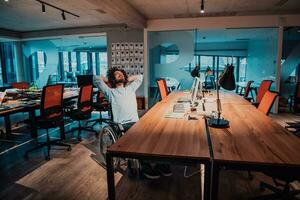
<point x="297" y="98"/>
<point x="162" y="87"/>
<point x="247" y="89"/>
<point x="20" y="85"/>
<point x="263" y="88"/>
<point x="267" y="102"/>
<point x="85" y="98"/>
<point x="52" y="102"/>
<point x="84" y="80"/>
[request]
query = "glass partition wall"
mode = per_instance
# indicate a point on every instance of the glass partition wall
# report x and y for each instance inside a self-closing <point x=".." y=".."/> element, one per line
<point x="62" y="59"/>
<point x="174" y="54"/>
<point x="290" y="65"/>
<point x="7" y="63"/>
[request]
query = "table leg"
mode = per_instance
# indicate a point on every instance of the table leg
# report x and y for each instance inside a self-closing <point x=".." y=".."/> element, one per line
<point x="62" y="131"/>
<point x="110" y="177"/>
<point x="7" y="124"/>
<point x="237" y="89"/>
<point x="215" y="181"/>
<point x="32" y="123"/>
<point x="207" y="181"/>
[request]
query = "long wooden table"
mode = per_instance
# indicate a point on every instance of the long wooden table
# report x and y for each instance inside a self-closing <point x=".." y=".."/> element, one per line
<point x="252" y="142"/>
<point x="155" y="137"/>
<point x="17" y="106"/>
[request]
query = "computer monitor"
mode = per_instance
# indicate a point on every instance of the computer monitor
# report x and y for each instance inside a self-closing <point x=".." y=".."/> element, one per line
<point x="83" y="80"/>
<point x="195" y="90"/>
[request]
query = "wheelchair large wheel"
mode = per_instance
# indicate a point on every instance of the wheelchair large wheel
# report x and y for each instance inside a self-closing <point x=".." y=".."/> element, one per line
<point x="107" y="138"/>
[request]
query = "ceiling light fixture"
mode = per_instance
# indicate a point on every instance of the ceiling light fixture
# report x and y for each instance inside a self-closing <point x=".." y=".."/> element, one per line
<point x="202" y="7"/>
<point x="43" y="8"/>
<point x="63" y="12"/>
<point x="63" y="15"/>
<point x="6" y="0"/>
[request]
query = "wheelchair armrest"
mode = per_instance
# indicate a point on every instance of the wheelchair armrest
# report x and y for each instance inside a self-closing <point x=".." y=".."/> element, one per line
<point x="114" y="124"/>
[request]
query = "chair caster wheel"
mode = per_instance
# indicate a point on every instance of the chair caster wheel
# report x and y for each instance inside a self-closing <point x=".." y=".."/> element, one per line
<point x="47" y="158"/>
<point x="261" y="187"/>
<point x="69" y="149"/>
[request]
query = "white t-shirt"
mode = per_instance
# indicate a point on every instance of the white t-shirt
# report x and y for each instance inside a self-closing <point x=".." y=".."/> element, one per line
<point x="123" y="100"/>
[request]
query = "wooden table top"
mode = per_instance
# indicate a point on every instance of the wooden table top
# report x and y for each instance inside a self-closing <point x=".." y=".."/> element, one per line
<point x="253" y="138"/>
<point x="155" y="135"/>
<point x="228" y="98"/>
<point x="15" y="106"/>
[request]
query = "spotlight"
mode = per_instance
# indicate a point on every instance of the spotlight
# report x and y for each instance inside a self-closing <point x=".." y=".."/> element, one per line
<point x="202" y="7"/>
<point x="6" y="0"/>
<point x="63" y="15"/>
<point x="43" y="8"/>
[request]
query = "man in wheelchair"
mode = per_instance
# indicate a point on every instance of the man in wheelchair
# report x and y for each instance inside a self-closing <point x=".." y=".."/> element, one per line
<point x="120" y="90"/>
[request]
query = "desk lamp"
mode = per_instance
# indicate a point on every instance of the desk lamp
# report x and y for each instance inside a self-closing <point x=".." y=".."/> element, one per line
<point x="227" y="82"/>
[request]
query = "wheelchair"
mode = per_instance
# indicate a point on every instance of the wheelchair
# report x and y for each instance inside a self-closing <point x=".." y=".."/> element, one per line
<point x="109" y="134"/>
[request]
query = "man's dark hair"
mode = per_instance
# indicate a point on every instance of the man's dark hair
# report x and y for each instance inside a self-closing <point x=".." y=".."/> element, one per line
<point x="111" y="77"/>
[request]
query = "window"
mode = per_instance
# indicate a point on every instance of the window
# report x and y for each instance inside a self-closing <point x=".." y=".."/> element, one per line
<point x="206" y="61"/>
<point x="83" y="62"/>
<point x="8" y="65"/>
<point x="242" y="69"/>
<point x="103" y="63"/>
<point x="73" y="62"/>
<point x="41" y="61"/>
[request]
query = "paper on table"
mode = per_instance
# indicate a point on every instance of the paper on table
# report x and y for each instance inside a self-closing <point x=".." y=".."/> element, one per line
<point x="174" y="115"/>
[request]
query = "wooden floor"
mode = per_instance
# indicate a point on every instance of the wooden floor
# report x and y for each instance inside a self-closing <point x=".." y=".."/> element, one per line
<point x="77" y="175"/>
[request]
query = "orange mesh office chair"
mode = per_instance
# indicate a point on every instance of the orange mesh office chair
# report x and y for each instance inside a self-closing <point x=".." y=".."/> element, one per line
<point x="267" y="101"/>
<point x="263" y="88"/>
<point x="20" y="85"/>
<point x="51" y="116"/>
<point x="162" y="87"/>
<point x="84" y="109"/>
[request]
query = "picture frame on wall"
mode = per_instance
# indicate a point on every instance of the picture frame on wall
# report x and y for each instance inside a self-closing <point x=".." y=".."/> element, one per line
<point x="131" y="45"/>
<point x="113" y="46"/>
<point x="118" y="47"/>
<point x="141" y="46"/>
<point x="122" y="46"/>
<point x="113" y="54"/>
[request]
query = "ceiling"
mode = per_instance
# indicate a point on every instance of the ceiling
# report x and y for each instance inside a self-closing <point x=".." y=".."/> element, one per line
<point x="191" y="8"/>
<point x="26" y="15"/>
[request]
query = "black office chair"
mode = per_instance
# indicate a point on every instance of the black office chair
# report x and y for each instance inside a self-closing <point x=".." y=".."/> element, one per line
<point x="85" y="80"/>
<point x="101" y="105"/>
<point x="83" y="111"/>
<point x="285" y="192"/>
